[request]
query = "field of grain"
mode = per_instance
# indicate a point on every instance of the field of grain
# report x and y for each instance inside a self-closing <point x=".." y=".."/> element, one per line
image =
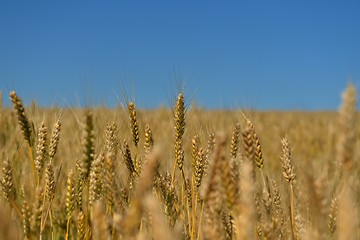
<point x="179" y="173"/>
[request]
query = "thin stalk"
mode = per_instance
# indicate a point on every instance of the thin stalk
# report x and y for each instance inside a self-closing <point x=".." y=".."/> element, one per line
<point x="263" y="178"/>
<point x="184" y="198"/>
<point x="200" y="219"/>
<point x="31" y="155"/>
<point x="195" y="196"/>
<point x="173" y="173"/>
<point x="18" y="212"/>
<point x="67" y="228"/>
<point x="292" y="210"/>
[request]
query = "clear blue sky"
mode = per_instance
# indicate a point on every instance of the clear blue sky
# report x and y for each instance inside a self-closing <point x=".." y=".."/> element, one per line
<point x="257" y="54"/>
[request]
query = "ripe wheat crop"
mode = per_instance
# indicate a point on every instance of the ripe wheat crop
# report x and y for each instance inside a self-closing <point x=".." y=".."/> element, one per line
<point x="179" y="173"/>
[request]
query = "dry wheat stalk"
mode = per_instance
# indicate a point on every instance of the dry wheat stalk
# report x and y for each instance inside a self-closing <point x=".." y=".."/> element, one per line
<point x="100" y="226"/>
<point x="289" y="174"/>
<point x="153" y="206"/>
<point x="347" y="221"/>
<point x="245" y="219"/>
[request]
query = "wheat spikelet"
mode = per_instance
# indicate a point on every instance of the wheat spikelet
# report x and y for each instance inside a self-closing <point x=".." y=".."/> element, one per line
<point x="209" y="151"/>
<point x="248" y="136"/>
<point x="179" y="154"/>
<point x="79" y="188"/>
<point x="49" y="181"/>
<point x="267" y="225"/>
<point x="37" y="210"/>
<point x="210" y="144"/>
<point x="234" y="145"/>
<point x="199" y="167"/>
<point x="333" y="216"/>
<point x="227" y="182"/>
<point x="22" y="119"/>
<point x="7" y="183"/>
<point x="195" y="144"/>
<point x="179" y="119"/>
<point x="109" y="169"/>
<point x="226" y="220"/>
<point x="189" y="193"/>
<point x="81" y="229"/>
<point x="95" y="186"/>
<point x="259" y="160"/>
<point x="111" y="141"/>
<point x="70" y="194"/>
<point x="25" y="210"/>
<point x="133" y="123"/>
<point x="87" y="145"/>
<point x="54" y="140"/>
<point x="127" y="159"/>
<point x="234" y="176"/>
<point x="279" y="212"/>
<point x="41" y="149"/>
<point x="149" y="140"/>
<point x="168" y="194"/>
<point x="289" y="172"/>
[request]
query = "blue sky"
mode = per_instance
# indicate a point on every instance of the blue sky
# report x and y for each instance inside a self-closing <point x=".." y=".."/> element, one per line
<point x="256" y="54"/>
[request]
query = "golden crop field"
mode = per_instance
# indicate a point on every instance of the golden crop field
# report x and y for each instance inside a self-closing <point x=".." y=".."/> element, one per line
<point x="180" y="173"/>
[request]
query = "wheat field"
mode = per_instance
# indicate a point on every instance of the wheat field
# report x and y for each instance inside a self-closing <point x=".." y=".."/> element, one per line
<point x="179" y="173"/>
